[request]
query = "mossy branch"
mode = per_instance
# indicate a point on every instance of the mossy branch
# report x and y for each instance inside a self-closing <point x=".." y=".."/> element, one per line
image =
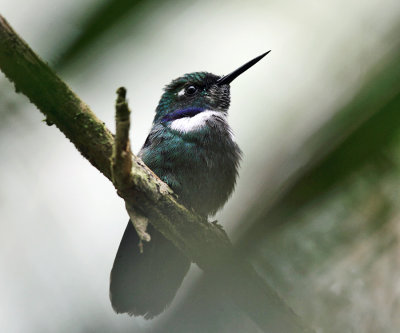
<point x="204" y="243"/>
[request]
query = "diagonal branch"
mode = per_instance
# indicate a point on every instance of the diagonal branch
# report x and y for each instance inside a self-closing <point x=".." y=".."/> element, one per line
<point x="204" y="243"/>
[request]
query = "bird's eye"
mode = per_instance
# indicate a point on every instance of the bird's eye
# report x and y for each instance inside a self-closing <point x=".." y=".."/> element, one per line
<point x="191" y="90"/>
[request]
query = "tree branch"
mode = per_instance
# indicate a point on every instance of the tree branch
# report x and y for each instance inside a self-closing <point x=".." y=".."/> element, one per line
<point x="204" y="243"/>
<point x="121" y="162"/>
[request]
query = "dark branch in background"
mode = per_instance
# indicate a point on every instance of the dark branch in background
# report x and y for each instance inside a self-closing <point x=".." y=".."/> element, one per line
<point x="204" y="243"/>
<point x="107" y="15"/>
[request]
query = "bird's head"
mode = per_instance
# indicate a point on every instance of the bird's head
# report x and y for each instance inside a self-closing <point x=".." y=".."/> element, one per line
<point x="190" y="94"/>
<point x="194" y="93"/>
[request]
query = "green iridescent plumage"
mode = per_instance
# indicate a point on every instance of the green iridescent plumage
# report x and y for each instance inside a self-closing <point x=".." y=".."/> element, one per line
<point x="200" y="165"/>
<point x="191" y="148"/>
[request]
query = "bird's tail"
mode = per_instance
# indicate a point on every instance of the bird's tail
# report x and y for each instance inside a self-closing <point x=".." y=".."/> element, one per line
<point x="145" y="283"/>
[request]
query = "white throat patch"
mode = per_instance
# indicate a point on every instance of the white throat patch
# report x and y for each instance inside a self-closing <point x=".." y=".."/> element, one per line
<point x="190" y="124"/>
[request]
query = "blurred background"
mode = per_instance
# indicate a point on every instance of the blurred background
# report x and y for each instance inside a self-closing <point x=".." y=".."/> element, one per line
<point x="316" y="209"/>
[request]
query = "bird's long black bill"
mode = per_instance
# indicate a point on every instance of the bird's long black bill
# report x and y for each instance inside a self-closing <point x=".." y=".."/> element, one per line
<point x="230" y="77"/>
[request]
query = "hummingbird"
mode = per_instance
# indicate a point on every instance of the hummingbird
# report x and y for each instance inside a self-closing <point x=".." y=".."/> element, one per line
<point x="190" y="147"/>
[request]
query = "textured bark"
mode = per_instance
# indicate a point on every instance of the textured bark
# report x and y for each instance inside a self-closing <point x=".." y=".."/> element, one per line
<point x="204" y="243"/>
<point x="121" y="161"/>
